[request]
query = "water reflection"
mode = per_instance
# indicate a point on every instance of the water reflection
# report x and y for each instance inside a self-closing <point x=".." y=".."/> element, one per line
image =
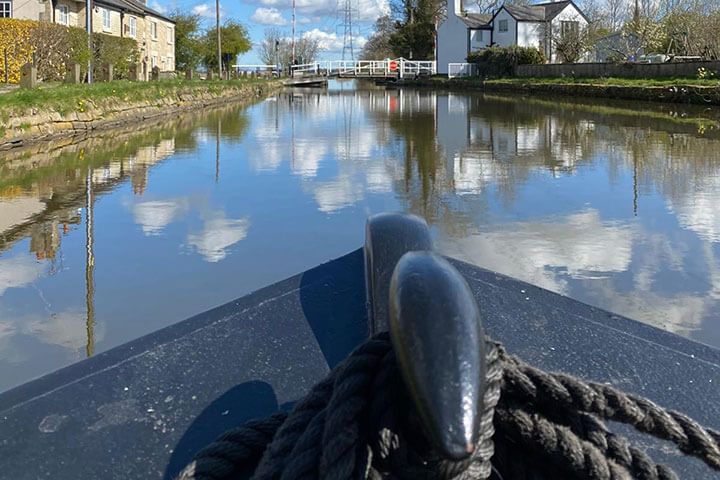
<point x="217" y="235"/>
<point x="111" y="238"/>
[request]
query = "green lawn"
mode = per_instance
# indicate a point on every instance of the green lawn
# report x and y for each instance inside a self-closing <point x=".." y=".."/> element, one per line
<point x="66" y="98"/>
<point x="623" y="82"/>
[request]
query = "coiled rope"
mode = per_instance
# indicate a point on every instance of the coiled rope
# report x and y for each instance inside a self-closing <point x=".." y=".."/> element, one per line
<point x="359" y="423"/>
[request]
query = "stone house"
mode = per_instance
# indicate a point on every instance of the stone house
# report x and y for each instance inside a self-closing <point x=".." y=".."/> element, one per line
<point x="154" y="33"/>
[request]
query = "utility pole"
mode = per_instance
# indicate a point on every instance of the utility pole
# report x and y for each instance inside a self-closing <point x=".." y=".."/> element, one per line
<point x="292" y="59"/>
<point x="89" y="266"/>
<point x="88" y="27"/>
<point x="217" y="28"/>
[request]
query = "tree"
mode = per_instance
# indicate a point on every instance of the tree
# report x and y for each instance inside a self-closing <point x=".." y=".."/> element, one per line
<point x="692" y="33"/>
<point x="414" y="35"/>
<point x="616" y="14"/>
<point x="378" y="45"/>
<point x="276" y="49"/>
<point x="489" y="7"/>
<point x="235" y="41"/>
<point x="188" y="41"/>
<point x="649" y="33"/>
<point x="573" y="39"/>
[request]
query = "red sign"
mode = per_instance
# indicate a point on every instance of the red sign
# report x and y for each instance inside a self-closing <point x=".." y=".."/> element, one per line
<point x="393" y="65"/>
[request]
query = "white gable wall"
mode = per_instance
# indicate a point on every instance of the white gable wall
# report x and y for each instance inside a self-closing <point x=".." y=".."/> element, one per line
<point x="504" y="39"/>
<point x="452" y="38"/>
<point x="569" y="13"/>
<point x="479" y="39"/>
<point x="530" y="34"/>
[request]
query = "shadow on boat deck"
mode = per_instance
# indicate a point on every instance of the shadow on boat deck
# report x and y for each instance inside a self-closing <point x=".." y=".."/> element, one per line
<point x="338" y="324"/>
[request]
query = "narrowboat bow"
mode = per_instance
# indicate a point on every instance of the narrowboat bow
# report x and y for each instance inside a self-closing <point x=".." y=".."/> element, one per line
<point x="144" y="409"/>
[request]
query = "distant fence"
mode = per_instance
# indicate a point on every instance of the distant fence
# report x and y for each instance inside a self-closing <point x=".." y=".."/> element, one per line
<point x="462" y="70"/>
<point x="622" y="70"/>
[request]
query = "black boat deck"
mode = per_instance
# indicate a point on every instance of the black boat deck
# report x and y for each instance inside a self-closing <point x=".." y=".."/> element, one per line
<point x="141" y="410"/>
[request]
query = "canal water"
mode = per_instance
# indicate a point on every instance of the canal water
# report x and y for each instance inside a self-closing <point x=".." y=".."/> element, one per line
<point x="111" y="238"/>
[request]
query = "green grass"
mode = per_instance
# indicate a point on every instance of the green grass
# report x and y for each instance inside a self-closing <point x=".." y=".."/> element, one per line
<point x="64" y="98"/>
<point x="621" y="82"/>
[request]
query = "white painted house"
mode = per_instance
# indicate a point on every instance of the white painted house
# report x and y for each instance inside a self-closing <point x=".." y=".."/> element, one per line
<point x="525" y="26"/>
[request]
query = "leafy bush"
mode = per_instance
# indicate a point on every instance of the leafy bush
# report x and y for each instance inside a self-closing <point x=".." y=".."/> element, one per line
<point x="53" y="46"/>
<point x="501" y="61"/>
<point x="121" y="52"/>
<point x="15" y="41"/>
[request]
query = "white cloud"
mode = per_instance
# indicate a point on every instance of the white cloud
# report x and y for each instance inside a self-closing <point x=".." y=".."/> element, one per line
<point x="366" y="10"/>
<point x="67" y="329"/>
<point x="16" y="272"/>
<point x="698" y="209"/>
<point x="217" y="235"/>
<point x="155" y="215"/>
<point x="268" y="16"/>
<point x="581" y="244"/>
<point x="337" y="194"/>
<point x="155" y="5"/>
<point x="332" y="42"/>
<point x="306" y="157"/>
<point x="206" y="10"/>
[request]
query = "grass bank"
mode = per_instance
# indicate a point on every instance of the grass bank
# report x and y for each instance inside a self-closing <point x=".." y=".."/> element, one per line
<point x="677" y="90"/>
<point x="57" y="110"/>
<point x="64" y="98"/>
<point x="622" y="82"/>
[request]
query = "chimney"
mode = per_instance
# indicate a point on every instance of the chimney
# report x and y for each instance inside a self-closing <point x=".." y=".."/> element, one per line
<point x="455" y="6"/>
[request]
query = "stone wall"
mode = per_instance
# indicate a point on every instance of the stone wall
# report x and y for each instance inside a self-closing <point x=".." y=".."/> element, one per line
<point x="39" y="126"/>
<point x="619" y="70"/>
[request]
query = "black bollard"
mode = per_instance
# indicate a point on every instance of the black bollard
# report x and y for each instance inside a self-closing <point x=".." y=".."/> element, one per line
<point x="388" y="236"/>
<point x="438" y="339"/>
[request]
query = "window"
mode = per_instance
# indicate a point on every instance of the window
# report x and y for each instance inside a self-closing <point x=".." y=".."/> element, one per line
<point x="153" y="61"/>
<point x="169" y="34"/>
<point x="132" y="27"/>
<point x="105" y="19"/>
<point x="569" y="28"/>
<point x="6" y="9"/>
<point x="479" y="36"/>
<point x="153" y="30"/>
<point x="503" y="25"/>
<point x="62" y="15"/>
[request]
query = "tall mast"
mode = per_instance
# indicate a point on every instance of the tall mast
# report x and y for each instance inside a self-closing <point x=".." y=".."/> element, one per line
<point x="88" y="28"/>
<point x="292" y="61"/>
<point x="217" y="28"/>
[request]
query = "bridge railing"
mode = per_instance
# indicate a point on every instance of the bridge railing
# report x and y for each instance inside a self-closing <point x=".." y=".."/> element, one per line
<point x="416" y="67"/>
<point x="399" y="67"/>
<point x="241" y="69"/>
<point x="307" y="68"/>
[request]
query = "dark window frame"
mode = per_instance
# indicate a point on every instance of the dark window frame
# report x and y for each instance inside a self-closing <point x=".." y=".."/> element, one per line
<point x="6" y="8"/>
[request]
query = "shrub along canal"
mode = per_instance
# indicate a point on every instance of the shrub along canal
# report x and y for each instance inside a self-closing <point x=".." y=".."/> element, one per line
<point x="122" y="234"/>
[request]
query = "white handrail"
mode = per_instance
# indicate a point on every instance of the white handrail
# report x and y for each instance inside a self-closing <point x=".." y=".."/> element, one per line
<point x="389" y="67"/>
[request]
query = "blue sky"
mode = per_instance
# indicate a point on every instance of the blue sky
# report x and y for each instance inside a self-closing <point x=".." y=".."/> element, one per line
<point x="315" y="18"/>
